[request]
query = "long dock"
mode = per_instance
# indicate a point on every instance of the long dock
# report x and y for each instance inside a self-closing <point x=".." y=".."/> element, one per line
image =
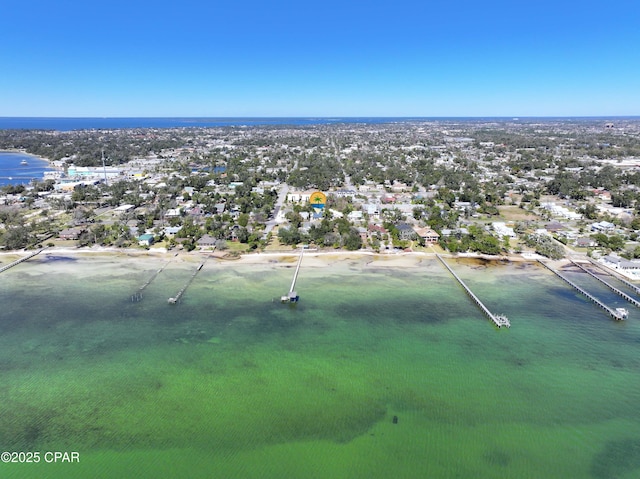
<point x="617" y="276"/>
<point x="613" y="313"/>
<point x="498" y="319"/>
<point x="610" y="286"/>
<point x="17" y="262"/>
<point x="177" y="297"/>
<point x="292" y="296"/>
<point x="137" y="296"/>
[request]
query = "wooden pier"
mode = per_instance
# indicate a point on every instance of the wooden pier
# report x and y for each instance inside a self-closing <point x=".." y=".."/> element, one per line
<point x="498" y="319"/>
<point x="617" y="276"/>
<point x="137" y="296"/>
<point x="177" y="297"/>
<point x="16" y="262"/>
<point x="292" y="296"/>
<point x="610" y="286"/>
<point x="615" y="314"/>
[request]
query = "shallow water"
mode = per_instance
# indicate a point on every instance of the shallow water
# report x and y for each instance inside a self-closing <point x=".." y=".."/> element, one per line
<point x="230" y="383"/>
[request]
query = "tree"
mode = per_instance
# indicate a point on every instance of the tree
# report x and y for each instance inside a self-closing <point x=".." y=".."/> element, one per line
<point x="486" y="244"/>
<point x="289" y="236"/>
<point x="16" y="237"/>
<point x="294" y="218"/>
<point x="353" y="241"/>
<point x="589" y="211"/>
<point x="622" y="199"/>
<point x="243" y="219"/>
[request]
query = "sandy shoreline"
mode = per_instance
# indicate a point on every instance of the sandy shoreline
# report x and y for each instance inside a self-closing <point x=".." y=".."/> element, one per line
<point x="311" y="257"/>
<point x="26" y="153"/>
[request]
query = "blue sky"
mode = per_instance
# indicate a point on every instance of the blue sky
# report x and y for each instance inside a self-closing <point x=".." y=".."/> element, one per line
<point x="319" y="58"/>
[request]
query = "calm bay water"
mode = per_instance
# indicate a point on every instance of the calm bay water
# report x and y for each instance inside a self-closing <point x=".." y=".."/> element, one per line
<point x="229" y="383"/>
<point x="14" y="172"/>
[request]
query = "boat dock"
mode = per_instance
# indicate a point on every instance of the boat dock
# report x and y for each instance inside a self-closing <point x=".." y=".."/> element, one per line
<point x="177" y="297"/>
<point x="292" y="296"/>
<point x="617" y="276"/>
<point x="18" y="261"/>
<point x="617" y="314"/>
<point x="498" y="319"/>
<point x="633" y="301"/>
<point x="137" y="296"/>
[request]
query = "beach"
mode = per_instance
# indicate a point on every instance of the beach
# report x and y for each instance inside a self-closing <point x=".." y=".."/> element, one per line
<point x="384" y="368"/>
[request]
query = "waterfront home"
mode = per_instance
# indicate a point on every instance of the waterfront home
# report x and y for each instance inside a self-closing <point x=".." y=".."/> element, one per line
<point x="206" y="241"/>
<point x="427" y="234"/>
<point x="145" y="239"/>
<point x="405" y="231"/>
<point x="70" y="233"/>
<point x="631" y="269"/>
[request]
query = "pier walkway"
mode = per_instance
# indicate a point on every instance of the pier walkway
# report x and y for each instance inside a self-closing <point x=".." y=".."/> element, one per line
<point x="613" y="313"/>
<point x="177" y="297"/>
<point x="137" y="296"/>
<point x="610" y="286"/>
<point x="292" y="296"/>
<point x="11" y="265"/>
<point x="617" y="276"/>
<point x="498" y="319"/>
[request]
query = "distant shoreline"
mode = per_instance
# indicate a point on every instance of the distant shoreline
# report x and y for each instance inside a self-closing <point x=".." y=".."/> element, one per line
<point x="26" y="153"/>
<point x="117" y="123"/>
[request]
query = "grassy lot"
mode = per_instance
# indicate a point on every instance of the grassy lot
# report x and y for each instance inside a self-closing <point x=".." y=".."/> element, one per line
<point x="514" y="213"/>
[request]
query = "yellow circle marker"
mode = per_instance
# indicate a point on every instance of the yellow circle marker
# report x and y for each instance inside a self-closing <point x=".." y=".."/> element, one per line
<point x="318" y="199"/>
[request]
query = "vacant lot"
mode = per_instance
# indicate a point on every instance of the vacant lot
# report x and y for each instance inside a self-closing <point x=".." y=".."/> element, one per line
<point x="514" y="213"/>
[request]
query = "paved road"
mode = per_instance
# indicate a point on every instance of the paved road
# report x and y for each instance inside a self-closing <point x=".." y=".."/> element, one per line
<point x="282" y="196"/>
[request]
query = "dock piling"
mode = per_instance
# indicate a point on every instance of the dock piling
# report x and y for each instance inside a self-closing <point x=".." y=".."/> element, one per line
<point x="176" y="298"/>
<point x="610" y="286"/>
<point x="617" y="314"/>
<point x="137" y="296"/>
<point x="18" y="261"/>
<point x="498" y="319"/>
<point x="292" y="296"/>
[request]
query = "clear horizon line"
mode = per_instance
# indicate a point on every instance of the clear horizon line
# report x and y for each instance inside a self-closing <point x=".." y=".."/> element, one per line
<point x="328" y="116"/>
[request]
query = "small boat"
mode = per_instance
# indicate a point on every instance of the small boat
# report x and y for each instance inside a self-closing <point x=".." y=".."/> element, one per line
<point x="24" y="162"/>
<point x="623" y="313"/>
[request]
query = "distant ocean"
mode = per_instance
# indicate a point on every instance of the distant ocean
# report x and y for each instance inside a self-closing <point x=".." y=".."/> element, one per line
<point x="67" y="124"/>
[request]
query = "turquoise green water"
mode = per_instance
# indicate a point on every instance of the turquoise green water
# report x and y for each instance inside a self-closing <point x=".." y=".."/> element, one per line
<point x="231" y="384"/>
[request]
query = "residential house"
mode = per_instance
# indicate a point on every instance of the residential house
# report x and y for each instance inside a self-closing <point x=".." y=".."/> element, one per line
<point x="206" y="241"/>
<point x="427" y="234"/>
<point x="299" y="196"/>
<point x="502" y="229"/>
<point x="586" y="242"/>
<point x="172" y="230"/>
<point x="145" y="239"/>
<point x="405" y="231"/>
<point x="603" y="227"/>
<point x="70" y="233"/>
<point x="554" y="227"/>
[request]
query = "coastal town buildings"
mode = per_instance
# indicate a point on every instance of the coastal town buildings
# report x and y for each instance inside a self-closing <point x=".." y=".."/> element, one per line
<point x="394" y="186"/>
